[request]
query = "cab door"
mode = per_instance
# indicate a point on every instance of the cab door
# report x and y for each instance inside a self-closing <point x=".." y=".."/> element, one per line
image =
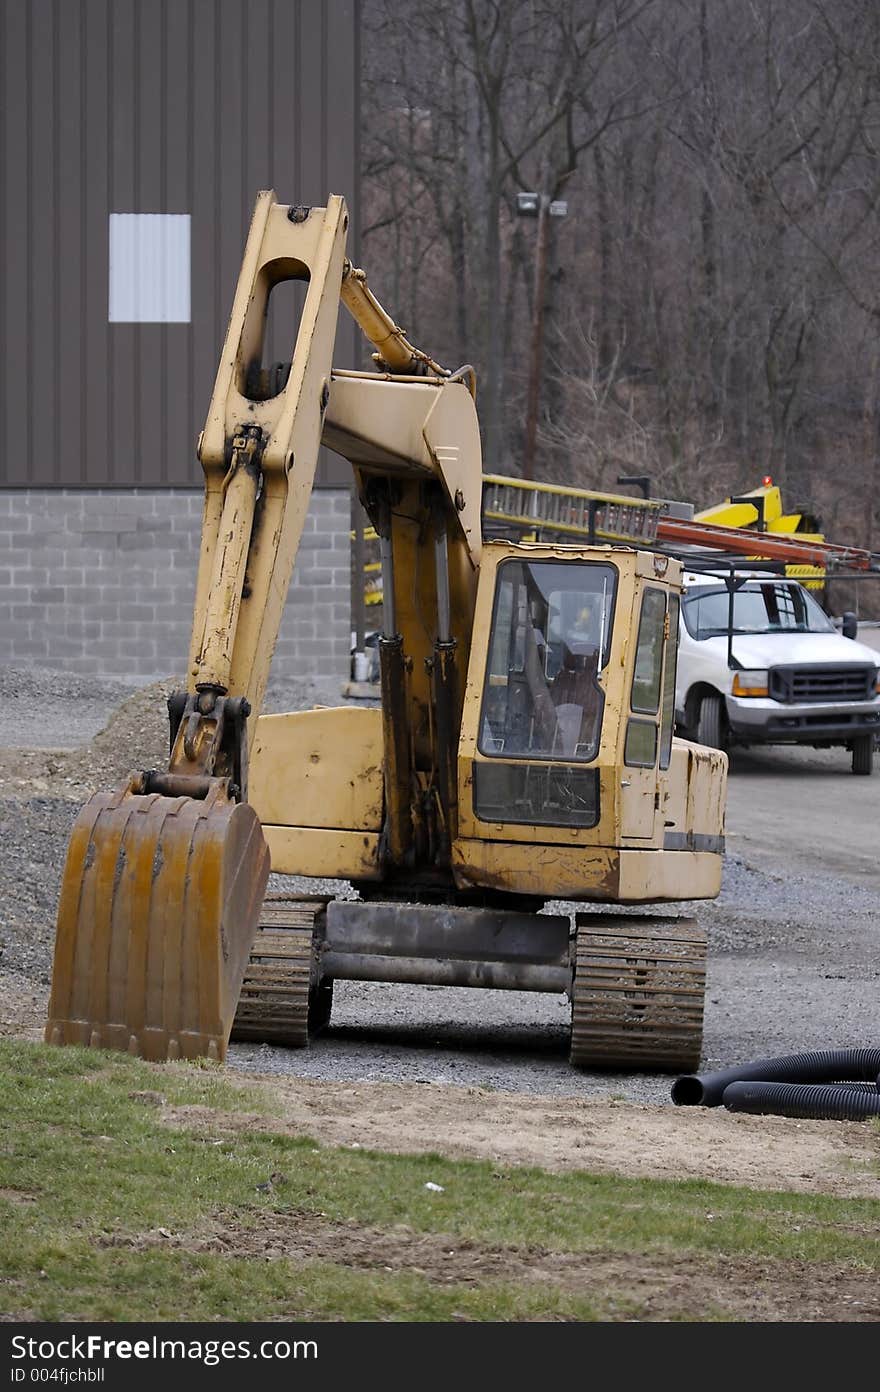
<point x="642" y="739"/>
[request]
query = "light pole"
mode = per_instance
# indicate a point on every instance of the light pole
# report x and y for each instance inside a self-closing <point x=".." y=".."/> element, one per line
<point x="542" y="207"/>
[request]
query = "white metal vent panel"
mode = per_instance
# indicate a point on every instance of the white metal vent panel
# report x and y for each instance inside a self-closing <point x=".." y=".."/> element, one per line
<point x="149" y="268"/>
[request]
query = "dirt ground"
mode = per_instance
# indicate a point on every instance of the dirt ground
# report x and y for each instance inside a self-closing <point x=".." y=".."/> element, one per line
<point x="658" y="1287"/>
<point x="568" y="1133"/>
<point x="561" y="1134"/>
<point x="554" y="1133"/>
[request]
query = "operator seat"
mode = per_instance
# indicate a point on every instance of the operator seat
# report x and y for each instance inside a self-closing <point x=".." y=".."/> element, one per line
<point x="577" y="697"/>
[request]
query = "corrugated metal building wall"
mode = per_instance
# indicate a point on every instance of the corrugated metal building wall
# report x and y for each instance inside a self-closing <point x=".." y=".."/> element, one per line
<point x="136" y="135"/>
<point x="184" y="107"/>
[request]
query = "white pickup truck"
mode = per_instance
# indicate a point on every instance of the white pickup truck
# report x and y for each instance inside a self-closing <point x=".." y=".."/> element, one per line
<point x="780" y="673"/>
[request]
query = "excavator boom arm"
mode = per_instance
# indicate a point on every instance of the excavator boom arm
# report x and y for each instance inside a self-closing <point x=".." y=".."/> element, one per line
<point x="259" y="451"/>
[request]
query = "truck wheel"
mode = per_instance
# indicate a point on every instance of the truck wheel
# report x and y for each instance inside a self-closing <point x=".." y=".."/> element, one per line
<point x="320" y="1006"/>
<point x="863" y="754"/>
<point x="710" y="722"/>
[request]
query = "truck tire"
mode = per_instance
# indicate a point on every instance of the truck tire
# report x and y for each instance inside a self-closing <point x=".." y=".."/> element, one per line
<point x="863" y="754"/>
<point x="320" y="1006"/>
<point x="710" y="722"/>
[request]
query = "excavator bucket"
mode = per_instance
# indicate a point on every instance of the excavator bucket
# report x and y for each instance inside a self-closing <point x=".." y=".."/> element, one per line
<point x="160" y="903"/>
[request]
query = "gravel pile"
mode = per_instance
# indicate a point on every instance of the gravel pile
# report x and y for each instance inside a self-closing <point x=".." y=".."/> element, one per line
<point x="40" y="750"/>
<point x="135" y="735"/>
<point x="54" y="710"/>
<point x="33" y="843"/>
<point x="43" y="784"/>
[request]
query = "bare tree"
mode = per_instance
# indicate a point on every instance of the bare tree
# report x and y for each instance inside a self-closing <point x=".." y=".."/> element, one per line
<point x="709" y="309"/>
<point x="513" y="104"/>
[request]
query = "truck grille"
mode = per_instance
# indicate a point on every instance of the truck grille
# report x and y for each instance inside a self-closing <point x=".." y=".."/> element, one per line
<point x="848" y="683"/>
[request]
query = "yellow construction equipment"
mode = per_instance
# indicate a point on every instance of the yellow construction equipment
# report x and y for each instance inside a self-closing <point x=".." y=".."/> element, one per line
<point x="761" y="508"/>
<point x="753" y="525"/>
<point x="523" y="751"/>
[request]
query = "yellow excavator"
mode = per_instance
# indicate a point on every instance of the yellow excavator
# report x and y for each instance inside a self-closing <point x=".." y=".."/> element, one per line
<point x="523" y="752"/>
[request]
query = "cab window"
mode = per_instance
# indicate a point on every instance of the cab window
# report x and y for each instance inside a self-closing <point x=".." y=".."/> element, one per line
<point x="649" y="654"/>
<point x="651" y="682"/>
<point x="550" y="641"/>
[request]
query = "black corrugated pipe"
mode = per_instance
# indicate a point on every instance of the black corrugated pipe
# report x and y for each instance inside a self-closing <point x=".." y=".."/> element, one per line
<point x="828" y="1102"/>
<point x="824" y="1066"/>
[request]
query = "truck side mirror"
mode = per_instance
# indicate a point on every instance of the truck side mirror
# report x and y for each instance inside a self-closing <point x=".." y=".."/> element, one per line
<point x="850" y="626"/>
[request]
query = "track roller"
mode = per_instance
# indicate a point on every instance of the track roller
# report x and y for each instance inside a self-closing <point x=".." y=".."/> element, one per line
<point x="282" y="1000"/>
<point x="638" y="993"/>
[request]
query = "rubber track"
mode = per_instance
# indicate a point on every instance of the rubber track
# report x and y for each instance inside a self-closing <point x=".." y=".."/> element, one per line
<point x="273" y="1007"/>
<point x="638" y="995"/>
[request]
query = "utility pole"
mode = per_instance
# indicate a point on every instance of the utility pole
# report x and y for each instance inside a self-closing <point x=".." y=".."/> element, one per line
<point x="540" y="206"/>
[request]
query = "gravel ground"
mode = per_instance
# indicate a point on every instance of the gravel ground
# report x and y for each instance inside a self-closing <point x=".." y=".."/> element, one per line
<point x="793" y="962"/>
<point x="49" y="710"/>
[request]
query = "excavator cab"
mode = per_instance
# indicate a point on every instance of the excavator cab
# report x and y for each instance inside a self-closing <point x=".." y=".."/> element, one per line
<point x="548" y="647"/>
<point x="570" y="787"/>
<point x="568" y="782"/>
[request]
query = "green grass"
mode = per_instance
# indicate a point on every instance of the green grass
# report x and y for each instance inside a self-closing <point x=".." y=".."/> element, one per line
<point x="87" y="1163"/>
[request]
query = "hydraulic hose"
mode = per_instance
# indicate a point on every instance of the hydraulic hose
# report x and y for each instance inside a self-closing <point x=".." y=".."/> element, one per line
<point x="839" y="1102"/>
<point x="824" y="1066"/>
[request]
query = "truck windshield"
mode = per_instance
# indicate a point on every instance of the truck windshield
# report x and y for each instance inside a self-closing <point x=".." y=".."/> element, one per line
<point x="759" y="607"/>
<point x="550" y="640"/>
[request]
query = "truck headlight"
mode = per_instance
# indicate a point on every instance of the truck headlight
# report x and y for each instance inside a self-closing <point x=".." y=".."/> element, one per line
<point x="750" y="684"/>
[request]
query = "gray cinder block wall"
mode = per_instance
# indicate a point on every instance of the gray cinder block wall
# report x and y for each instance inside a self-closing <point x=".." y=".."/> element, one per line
<point x="102" y="582"/>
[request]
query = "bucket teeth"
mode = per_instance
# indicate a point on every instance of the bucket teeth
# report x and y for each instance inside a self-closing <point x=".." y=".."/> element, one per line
<point x="160" y="902"/>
